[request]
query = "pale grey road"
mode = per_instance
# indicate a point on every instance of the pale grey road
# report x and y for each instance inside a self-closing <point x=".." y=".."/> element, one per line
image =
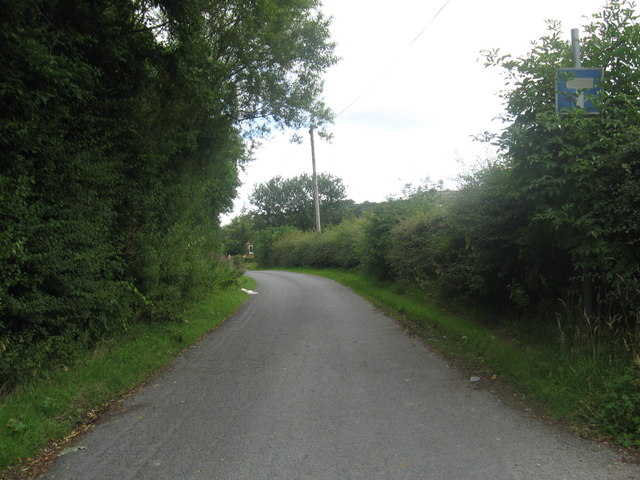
<point x="308" y="381"/>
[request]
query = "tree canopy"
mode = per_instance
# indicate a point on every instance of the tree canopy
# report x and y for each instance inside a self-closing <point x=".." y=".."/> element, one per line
<point x="289" y="202"/>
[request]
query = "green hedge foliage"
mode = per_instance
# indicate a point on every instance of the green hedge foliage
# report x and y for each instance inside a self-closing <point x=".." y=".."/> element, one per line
<point x="338" y="246"/>
<point x="122" y="127"/>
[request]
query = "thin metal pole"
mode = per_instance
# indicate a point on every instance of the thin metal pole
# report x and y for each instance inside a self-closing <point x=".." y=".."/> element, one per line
<point x="575" y="48"/>
<point x="316" y="197"/>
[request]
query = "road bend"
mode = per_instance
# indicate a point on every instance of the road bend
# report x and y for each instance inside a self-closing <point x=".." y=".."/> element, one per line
<point x="309" y="381"/>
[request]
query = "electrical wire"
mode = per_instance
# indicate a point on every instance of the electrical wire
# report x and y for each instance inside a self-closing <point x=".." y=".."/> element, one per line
<point x="430" y="22"/>
<point x="384" y="73"/>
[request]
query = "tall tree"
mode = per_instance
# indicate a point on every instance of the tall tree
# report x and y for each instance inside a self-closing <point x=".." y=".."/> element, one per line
<point x="289" y="202"/>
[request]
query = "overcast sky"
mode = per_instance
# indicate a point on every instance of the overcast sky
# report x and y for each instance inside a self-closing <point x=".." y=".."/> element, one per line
<point x="418" y="102"/>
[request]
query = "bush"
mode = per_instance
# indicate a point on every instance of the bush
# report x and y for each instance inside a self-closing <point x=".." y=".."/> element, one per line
<point x="338" y="246"/>
<point x="347" y="239"/>
<point x="419" y="248"/>
<point x="264" y="243"/>
<point x="377" y="237"/>
<point x="288" y="250"/>
<point x="616" y="411"/>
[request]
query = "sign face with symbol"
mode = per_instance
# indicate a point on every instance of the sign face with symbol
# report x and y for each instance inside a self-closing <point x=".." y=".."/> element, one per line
<point x="577" y="87"/>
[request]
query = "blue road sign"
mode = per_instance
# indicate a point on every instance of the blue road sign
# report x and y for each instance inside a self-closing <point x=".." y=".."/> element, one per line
<point x="576" y="88"/>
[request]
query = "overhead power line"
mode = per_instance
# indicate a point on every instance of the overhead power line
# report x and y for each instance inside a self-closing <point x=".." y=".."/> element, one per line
<point x="430" y="22"/>
<point x="384" y="72"/>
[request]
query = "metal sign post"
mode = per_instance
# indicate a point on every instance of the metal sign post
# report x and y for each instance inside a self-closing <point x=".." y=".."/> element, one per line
<point x="577" y="86"/>
<point x="575" y="48"/>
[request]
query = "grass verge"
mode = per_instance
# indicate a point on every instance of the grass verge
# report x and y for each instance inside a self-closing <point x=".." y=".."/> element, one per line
<point x="45" y="414"/>
<point x="533" y="370"/>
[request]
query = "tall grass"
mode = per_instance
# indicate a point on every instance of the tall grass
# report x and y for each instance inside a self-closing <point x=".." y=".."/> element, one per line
<point x="604" y="357"/>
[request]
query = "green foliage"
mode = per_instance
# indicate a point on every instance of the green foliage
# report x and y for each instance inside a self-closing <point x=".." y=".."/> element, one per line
<point x="291" y="249"/>
<point x="416" y="247"/>
<point x="381" y="221"/>
<point x="377" y="237"/>
<point x="290" y="202"/>
<point x="263" y="245"/>
<point x="616" y="411"/>
<point x="237" y="234"/>
<point x="15" y="426"/>
<point x="346" y="242"/>
<point x="575" y="172"/>
<point x="269" y="57"/>
<point x="338" y="246"/>
<point x="122" y="126"/>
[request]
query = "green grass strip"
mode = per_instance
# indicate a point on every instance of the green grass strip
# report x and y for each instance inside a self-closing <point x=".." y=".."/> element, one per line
<point x="48" y="410"/>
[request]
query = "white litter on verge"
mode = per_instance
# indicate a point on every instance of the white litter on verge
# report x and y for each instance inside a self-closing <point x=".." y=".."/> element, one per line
<point x="66" y="451"/>
<point x="250" y="292"/>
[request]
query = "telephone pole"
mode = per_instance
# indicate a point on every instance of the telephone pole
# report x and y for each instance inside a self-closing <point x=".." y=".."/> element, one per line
<point x="315" y="183"/>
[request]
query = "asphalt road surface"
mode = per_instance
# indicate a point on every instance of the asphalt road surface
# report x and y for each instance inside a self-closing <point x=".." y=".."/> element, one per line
<point x="309" y="381"/>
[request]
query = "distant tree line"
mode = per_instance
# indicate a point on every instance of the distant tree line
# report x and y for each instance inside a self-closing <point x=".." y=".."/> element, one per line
<point x="122" y="126"/>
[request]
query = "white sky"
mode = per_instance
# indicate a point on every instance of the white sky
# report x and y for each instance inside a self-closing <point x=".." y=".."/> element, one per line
<point x="420" y="103"/>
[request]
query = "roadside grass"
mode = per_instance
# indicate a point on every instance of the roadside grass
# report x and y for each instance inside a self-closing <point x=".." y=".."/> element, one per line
<point x="50" y="410"/>
<point x="556" y="380"/>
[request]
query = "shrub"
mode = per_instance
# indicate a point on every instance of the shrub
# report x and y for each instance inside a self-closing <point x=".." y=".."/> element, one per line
<point x="616" y="411"/>
<point x="377" y="237"/>
<point x="264" y="243"/>
<point x="338" y="246"/>
<point x="418" y="248"/>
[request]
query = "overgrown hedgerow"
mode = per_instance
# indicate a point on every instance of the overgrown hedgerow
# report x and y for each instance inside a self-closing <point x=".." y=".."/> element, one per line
<point x="122" y="128"/>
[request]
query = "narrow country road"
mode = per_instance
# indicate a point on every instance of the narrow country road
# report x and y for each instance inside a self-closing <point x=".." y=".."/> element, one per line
<point x="309" y="381"/>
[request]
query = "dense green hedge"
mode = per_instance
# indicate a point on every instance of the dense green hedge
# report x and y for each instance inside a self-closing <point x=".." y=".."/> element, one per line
<point x="122" y="125"/>
<point x="338" y="246"/>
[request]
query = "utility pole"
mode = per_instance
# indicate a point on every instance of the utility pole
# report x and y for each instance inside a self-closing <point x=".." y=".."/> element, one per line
<point x="316" y="198"/>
